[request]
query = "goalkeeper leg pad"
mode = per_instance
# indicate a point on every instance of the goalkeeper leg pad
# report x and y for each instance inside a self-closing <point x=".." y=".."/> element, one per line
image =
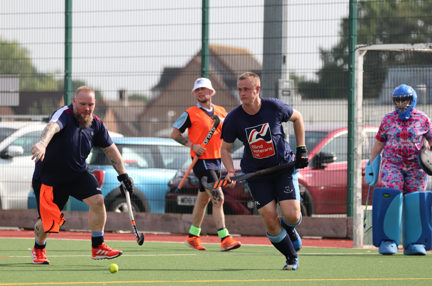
<point x="417" y="229"/>
<point x="386" y="219"/>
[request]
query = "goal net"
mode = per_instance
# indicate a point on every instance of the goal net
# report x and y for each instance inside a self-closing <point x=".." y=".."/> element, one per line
<point x="379" y="70"/>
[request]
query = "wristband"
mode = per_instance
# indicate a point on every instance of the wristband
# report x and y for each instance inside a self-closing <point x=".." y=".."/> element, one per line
<point x="232" y="172"/>
<point x="43" y="143"/>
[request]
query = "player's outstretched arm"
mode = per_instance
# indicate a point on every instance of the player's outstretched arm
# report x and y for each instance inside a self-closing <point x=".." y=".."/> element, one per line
<point x="299" y="129"/>
<point x="38" y="149"/>
<point x="115" y="158"/>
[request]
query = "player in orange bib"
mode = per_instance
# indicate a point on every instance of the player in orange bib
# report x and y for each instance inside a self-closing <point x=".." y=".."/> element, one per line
<point x="197" y="119"/>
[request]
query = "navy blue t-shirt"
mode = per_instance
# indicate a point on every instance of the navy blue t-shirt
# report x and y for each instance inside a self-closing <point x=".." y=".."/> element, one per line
<point x="66" y="154"/>
<point x="262" y="134"/>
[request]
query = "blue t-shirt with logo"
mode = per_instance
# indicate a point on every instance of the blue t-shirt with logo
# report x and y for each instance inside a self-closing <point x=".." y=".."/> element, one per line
<point x="66" y="154"/>
<point x="262" y="135"/>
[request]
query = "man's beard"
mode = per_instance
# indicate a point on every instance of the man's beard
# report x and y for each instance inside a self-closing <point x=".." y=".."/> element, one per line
<point x="84" y="122"/>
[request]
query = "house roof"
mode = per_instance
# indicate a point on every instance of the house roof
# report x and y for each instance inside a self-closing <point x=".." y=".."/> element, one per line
<point x="225" y="65"/>
<point x="127" y="114"/>
<point x="166" y="77"/>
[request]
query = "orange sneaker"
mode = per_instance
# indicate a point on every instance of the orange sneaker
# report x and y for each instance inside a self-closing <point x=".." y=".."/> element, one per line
<point x="39" y="256"/>
<point x="103" y="251"/>
<point x="195" y="243"/>
<point x="229" y="243"/>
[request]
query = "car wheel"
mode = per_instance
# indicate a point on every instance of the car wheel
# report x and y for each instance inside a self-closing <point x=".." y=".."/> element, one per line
<point x="116" y="202"/>
<point x="307" y="203"/>
<point x="120" y="206"/>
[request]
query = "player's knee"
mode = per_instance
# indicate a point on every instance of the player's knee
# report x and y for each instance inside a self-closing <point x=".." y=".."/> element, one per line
<point x="292" y="216"/>
<point x="218" y="201"/>
<point x="96" y="201"/>
<point x="272" y="223"/>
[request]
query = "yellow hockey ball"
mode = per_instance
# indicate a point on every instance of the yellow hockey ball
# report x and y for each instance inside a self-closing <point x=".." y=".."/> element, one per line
<point x="113" y="268"/>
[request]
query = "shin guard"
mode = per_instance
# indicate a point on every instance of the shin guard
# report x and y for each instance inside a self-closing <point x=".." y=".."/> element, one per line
<point x="417" y="227"/>
<point x="386" y="215"/>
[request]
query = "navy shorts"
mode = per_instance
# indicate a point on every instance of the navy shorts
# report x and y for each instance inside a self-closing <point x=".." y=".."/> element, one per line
<point x="282" y="186"/>
<point x="82" y="188"/>
<point x="212" y="176"/>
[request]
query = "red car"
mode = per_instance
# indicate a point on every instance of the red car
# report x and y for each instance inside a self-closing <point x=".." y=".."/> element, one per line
<point x="323" y="184"/>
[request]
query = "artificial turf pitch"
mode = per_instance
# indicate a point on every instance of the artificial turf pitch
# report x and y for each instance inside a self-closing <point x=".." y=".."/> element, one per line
<point x="162" y="263"/>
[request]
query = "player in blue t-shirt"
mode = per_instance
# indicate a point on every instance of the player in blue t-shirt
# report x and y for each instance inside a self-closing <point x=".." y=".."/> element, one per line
<point x="61" y="171"/>
<point x="257" y="122"/>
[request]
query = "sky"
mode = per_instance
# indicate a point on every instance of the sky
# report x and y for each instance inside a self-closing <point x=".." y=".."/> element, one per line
<point x="126" y="44"/>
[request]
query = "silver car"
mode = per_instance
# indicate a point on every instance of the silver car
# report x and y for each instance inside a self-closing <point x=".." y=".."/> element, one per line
<point x="16" y="166"/>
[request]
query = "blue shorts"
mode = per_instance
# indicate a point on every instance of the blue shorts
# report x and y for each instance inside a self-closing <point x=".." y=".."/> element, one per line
<point x="82" y="188"/>
<point x="212" y="176"/>
<point x="282" y="186"/>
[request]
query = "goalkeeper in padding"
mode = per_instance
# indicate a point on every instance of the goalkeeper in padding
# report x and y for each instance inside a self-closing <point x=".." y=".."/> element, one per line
<point x="402" y="204"/>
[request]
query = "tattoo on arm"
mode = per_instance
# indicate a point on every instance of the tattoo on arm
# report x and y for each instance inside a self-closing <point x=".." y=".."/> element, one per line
<point x="49" y="131"/>
<point x="116" y="161"/>
<point x="180" y="139"/>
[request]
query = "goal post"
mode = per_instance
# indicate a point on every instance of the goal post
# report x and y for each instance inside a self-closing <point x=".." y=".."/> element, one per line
<point x="383" y="83"/>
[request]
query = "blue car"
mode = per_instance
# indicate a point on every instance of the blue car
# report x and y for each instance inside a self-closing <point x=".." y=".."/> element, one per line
<point x="151" y="162"/>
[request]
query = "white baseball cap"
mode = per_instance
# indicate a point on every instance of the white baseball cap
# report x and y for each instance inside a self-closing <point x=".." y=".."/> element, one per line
<point x="203" y="82"/>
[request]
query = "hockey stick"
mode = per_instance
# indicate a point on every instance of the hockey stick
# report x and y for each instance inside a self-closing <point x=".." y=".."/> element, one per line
<point x="207" y="139"/>
<point x="224" y="182"/>
<point x="140" y="239"/>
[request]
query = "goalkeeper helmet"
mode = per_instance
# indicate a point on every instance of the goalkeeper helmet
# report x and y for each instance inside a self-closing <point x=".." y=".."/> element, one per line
<point x="401" y="94"/>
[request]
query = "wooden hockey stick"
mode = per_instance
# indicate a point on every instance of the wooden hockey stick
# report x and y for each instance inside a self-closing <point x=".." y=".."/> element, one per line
<point x="207" y="139"/>
<point x="140" y="239"/>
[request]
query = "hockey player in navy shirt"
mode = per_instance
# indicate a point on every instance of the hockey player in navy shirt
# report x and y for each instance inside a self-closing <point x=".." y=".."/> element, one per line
<point x="61" y="171"/>
<point x="257" y="122"/>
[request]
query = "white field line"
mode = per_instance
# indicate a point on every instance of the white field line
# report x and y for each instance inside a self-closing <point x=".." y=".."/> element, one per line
<point x="213" y="254"/>
<point x="249" y="244"/>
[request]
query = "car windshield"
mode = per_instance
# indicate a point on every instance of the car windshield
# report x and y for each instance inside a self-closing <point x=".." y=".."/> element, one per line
<point x="6" y="132"/>
<point x="146" y="156"/>
<point x="311" y="137"/>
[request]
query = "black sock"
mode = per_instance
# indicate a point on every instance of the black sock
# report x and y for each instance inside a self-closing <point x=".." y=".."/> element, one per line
<point x="285" y="247"/>
<point x="96" y="241"/>
<point x="289" y="230"/>
<point x="37" y="246"/>
<point x="192" y="235"/>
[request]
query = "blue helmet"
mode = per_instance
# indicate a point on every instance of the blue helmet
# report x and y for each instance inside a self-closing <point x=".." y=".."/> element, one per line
<point x="405" y="91"/>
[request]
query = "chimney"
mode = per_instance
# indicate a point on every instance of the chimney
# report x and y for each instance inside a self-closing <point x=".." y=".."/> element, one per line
<point x="123" y="96"/>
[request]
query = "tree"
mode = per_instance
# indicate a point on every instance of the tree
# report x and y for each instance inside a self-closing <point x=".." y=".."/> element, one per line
<point x="379" y="22"/>
<point x="15" y="60"/>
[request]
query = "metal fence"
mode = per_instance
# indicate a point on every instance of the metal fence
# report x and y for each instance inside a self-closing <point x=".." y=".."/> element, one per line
<point x="142" y="58"/>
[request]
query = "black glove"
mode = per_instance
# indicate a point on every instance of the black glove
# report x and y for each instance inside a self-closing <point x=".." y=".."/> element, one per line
<point x="127" y="182"/>
<point x="301" y="157"/>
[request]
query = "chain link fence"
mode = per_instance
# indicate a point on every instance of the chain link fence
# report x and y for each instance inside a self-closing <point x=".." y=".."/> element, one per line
<point x="142" y="58"/>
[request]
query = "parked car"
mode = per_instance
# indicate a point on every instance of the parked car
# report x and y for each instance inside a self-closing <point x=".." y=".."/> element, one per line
<point x="151" y="162"/>
<point x="16" y="166"/>
<point x="323" y="184"/>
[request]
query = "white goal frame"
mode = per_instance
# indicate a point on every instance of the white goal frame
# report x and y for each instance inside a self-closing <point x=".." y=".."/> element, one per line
<point x="360" y="52"/>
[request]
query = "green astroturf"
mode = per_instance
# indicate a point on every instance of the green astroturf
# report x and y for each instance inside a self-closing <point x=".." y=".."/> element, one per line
<point x="175" y="264"/>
